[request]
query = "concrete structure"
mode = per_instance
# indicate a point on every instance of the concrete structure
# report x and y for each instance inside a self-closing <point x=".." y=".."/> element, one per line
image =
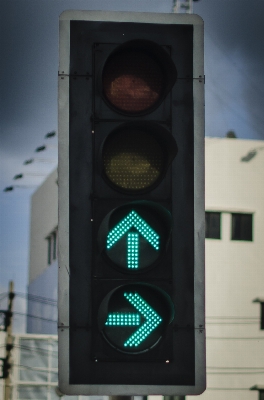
<point x="234" y="265"/>
<point x="234" y="171"/>
<point x="43" y="281"/>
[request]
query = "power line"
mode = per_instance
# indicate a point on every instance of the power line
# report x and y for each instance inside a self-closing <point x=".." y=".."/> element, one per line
<point x="214" y="388"/>
<point x="235" y="338"/>
<point x="235" y="367"/>
<point x="35" y="316"/>
<point x="234" y="323"/>
<point x="48" y="370"/>
<point x="3" y="296"/>
<point x="236" y="373"/>
<point x="248" y="123"/>
<point x="33" y="349"/>
<point x="31" y="297"/>
<point x="229" y="317"/>
<point x="242" y="72"/>
<point x="226" y="103"/>
<point x="38" y="299"/>
<point x="230" y="95"/>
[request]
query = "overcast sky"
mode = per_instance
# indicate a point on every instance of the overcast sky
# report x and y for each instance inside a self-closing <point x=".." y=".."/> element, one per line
<point x="234" y="62"/>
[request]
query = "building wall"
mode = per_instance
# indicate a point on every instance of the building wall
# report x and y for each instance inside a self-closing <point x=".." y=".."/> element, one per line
<point x="234" y="271"/>
<point x="34" y="375"/>
<point x="42" y="302"/>
<point x="44" y="220"/>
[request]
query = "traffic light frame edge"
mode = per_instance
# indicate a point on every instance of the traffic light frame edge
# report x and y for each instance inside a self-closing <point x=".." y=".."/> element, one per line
<point x="198" y="181"/>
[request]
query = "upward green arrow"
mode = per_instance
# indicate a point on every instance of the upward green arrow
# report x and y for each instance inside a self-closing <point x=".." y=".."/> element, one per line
<point x="132" y="220"/>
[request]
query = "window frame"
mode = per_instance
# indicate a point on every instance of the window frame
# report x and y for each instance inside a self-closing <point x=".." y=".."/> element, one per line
<point x="234" y="236"/>
<point x="220" y="225"/>
<point x="52" y="250"/>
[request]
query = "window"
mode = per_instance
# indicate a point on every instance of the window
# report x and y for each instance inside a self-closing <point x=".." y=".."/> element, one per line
<point x="242" y="227"/>
<point x="52" y="246"/>
<point x="262" y="316"/>
<point x="212" y="225"/>
<point x="32" y="392"/>
<point x="38" y="374"/>
<point x="261" y="302"/>
<point x="174" y="397"/>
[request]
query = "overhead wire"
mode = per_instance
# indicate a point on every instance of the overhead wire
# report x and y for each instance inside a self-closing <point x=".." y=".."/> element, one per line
<point x="247" y="122"/>
<point x="3" y="296"/>
<point x="230" y="94"/>
<point x="215" y="388"/>
<point x="39" y="299"/>
<point x="35" y="316"/>
<point x="235" y="338"/>
<point x="36" y="369"/>
<point x="223" y="370"/>
<point x="33" y="348"/>
<point x="254" y="85"/>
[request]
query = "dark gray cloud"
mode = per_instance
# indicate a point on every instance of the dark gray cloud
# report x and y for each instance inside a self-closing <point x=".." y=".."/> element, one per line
<point x="234" y="58"/>
<point x="236" y="24"/>
<point x="29" y="64"/>
<point x="28" y="87"/>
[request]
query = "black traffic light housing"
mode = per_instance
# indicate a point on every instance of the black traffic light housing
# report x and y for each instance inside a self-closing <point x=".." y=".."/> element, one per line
<point x="131" y="288"/>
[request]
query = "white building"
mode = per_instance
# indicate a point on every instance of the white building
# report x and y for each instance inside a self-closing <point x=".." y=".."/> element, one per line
<point x="234" y="171"/>
<point x="234" y="266"/>
<point x="43" y="281"/>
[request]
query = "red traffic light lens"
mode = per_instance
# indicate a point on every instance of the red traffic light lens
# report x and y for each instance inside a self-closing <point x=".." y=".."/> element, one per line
<point x="133" y="81"/>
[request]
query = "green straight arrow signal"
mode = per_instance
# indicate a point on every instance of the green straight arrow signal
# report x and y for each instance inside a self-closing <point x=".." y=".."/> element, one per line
<point x="132" y="220"/>
<point x="152" y="319"/>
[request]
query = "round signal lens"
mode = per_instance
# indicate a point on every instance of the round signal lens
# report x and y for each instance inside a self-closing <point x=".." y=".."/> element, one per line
<point x="133" y="318"/>
<point x="133" y="160"/>
<point x="133" y="81"/>
<point x="134" y="236"/>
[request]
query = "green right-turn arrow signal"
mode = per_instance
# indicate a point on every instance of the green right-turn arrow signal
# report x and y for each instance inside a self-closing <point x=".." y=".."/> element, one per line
<point x="152" y="319"/>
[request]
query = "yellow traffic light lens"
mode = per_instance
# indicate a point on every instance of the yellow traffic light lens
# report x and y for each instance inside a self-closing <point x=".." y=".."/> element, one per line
<point x="133" y="81"/>
<point x="133" y="160"/>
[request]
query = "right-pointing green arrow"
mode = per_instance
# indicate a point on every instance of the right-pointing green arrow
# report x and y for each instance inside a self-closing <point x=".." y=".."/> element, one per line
<point x="152" y="319"/>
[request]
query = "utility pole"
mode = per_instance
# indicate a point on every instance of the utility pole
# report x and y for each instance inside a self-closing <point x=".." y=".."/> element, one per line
<point x="9" y="343"/>
<point x="182" y="6"/>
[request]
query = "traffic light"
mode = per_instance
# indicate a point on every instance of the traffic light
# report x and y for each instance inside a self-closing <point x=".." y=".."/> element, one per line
<point x="131" y="204"/>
